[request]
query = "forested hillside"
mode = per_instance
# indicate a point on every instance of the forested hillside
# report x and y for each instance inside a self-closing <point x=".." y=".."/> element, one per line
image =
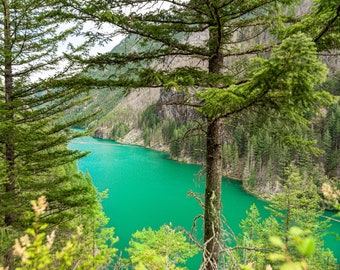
<point x="257" y="156"/>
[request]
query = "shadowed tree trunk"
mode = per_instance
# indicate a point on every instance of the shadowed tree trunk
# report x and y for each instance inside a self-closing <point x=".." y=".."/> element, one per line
<point x="212" y="220"/>
<point x="213" y="189"/>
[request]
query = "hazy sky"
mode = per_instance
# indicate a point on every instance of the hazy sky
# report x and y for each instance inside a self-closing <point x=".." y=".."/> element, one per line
<point x="77" y="40"/>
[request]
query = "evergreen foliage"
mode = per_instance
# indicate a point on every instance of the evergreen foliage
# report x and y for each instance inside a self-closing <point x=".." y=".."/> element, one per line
<point x="119" y="130"/>
<point x="97" y="106"/>
<point x="186" y="140"/>
<point x="262" y="156"/>
<point x="282" y="84"/>
<point x="166" y="248"/>
<point x="331" y="141"/>
<point x="39" y="85"/>
<point x="297" y="206"/>
<point x="188" y="143"/>
<point x="149" y="123"/>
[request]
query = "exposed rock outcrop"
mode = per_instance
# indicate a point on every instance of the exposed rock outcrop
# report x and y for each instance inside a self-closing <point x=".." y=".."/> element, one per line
<point x="125" y="116"/>
<point x="169" y="107"/>
<point x="102" y="133"/>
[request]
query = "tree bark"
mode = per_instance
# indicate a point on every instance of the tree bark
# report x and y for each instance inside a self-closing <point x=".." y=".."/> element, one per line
<point x="212" y="211"/>
<point x="212" y="219"/>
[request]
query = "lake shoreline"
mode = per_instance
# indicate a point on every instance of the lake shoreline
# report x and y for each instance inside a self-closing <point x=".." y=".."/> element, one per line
<point x="163" y="192"/>
<point x="188" y="161"/>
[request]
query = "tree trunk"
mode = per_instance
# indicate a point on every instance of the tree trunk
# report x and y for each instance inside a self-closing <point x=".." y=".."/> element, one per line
<point x="212" y="219"/>
<point x="212" y="211"/>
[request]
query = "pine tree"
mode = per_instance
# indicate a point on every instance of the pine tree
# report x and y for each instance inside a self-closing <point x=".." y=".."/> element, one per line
<point x="166" y="248"/>
<point x="331" y="140"/>
<point x="38" y="88"/>
<point x="210" y="44"/>
<point x="298" y="206"/>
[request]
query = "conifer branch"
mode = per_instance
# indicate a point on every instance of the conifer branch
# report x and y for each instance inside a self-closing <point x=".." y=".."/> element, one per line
<point x="328" y="25"/>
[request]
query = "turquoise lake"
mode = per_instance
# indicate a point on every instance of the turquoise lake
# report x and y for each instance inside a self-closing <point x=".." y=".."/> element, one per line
<point x="146" y="189"/>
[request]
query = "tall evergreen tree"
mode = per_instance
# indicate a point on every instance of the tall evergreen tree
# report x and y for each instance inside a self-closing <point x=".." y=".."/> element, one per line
<point x="38" y="87"/>
<point x="209" y="44"/>
<point x="297" y="206"/>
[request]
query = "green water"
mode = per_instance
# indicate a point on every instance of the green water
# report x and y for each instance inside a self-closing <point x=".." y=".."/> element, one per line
<point x="146" y="189"/>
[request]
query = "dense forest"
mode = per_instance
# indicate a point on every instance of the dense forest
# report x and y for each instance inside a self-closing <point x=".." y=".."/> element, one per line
<point x="250" y="153"/>
<point x="249" y="89"/>
<point x="257" y="156"/>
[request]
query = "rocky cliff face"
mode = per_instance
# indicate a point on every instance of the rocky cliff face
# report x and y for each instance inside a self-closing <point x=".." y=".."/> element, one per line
<point x="169" y="107"/>
<point x="123" y="119"/>
<point x="102" y="133"/>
